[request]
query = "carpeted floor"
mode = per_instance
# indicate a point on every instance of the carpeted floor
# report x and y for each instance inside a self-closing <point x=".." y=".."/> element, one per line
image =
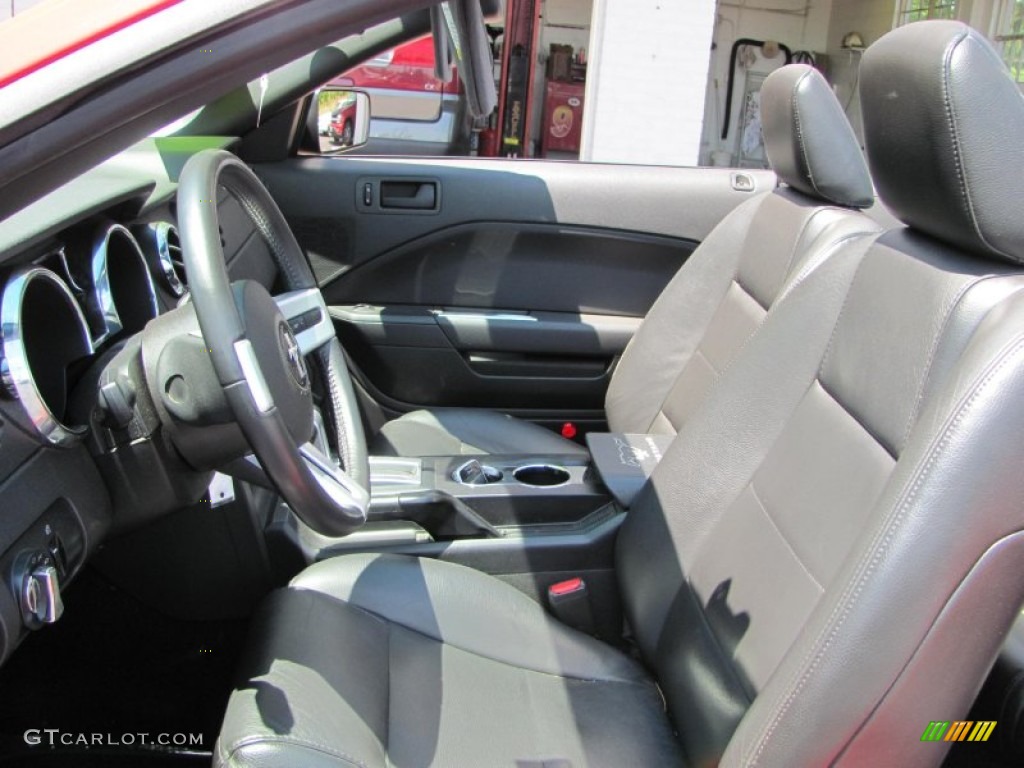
<point x="112" y="665"/>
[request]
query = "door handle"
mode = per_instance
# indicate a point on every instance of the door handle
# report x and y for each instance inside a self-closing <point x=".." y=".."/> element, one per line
<point x="408" y="195"/>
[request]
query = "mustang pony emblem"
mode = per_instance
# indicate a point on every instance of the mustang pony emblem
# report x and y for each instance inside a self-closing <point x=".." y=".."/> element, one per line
<point x="293" y="356"/>
<point x="629" y="455"/>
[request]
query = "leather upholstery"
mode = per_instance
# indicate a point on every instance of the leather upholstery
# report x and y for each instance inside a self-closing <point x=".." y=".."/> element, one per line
<point x="826" y="559"/>
<point x="445" y="666"/>
<point x="809" y="142"/>
<point x="935" y="156"/>
<point x="716" y="300"/>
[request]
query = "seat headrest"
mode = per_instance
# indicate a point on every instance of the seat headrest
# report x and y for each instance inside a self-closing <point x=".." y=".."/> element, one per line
<point x="944" y="127"/>
<point x="809" y="141"/>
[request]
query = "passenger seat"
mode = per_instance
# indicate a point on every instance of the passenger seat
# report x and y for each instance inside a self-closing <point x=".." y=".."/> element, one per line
<point x="719" y="296"/>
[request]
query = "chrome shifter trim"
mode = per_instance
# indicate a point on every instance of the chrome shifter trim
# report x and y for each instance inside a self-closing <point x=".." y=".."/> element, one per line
<point x="343" y="489"/>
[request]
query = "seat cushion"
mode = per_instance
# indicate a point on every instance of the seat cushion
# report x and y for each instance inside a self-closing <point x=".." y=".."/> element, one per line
<point x="467" y="431"/>
<point x="380" y="660"/>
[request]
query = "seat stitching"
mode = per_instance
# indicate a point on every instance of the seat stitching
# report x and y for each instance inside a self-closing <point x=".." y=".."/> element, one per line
<point x="933" y="351"/>
<point x="785" y="539"/>
<point x="947" y="107"/>
<point x="851" y="592"/>
<point x="800" y="135"/>
<point x="958" y="165"/>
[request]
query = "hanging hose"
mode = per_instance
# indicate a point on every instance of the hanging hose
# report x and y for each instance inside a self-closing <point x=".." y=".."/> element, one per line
<point x="732" y="74"/>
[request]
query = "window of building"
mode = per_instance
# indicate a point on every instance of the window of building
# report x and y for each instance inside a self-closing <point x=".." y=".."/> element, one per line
<point x="919" y="10"/>
<point x="1009" y="36"/>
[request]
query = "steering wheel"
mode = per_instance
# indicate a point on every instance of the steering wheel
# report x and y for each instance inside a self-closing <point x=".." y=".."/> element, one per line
<point x="259" y="345"/>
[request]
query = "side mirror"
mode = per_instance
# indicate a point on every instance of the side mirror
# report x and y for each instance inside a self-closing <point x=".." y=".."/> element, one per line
<point x="342" y="118"/>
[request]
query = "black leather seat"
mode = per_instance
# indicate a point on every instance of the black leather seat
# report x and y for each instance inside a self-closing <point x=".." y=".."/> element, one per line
<point x="827" y="558"/>
<point x="717" y="299"/>
<point x="388" y="660"/>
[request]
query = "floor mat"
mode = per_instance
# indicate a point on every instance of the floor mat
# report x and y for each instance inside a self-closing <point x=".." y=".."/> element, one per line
<point x="116" y="683"/>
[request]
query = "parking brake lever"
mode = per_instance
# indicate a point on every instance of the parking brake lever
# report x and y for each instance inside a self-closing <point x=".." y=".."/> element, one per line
<point x="439" y="513"/>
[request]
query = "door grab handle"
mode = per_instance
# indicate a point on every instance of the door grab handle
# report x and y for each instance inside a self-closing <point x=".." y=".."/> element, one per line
<point x="409" y="195"/>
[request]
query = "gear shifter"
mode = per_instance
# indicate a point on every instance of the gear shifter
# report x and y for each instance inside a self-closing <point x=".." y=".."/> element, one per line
<point x="475" y="473"/>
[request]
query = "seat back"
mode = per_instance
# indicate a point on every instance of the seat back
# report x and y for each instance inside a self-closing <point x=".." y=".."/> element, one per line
<point x="828" y="556"/>
<point x="722" y="293"/>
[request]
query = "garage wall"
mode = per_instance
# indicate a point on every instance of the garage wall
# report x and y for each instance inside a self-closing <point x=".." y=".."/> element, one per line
<point x="799" y="24"/>
<point x="869" y="18"/>
<point x="645" y="84"/>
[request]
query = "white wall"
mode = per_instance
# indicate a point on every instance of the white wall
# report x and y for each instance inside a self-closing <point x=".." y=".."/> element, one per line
<point x="566" y="22"/>
<point x="870" y="19"/>
<point x="798" y="24"/>
<point x="645" y="83"/>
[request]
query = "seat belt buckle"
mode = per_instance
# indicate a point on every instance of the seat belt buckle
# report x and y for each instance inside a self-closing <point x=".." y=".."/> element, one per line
<point x="569" y="602"/>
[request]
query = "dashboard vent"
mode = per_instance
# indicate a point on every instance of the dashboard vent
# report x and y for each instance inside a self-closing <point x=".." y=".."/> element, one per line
<point x="177" y="260"/>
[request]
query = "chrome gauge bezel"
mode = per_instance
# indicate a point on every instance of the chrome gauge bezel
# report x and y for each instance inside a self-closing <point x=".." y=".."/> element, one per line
<point x="100" y="266"/>
<point x="16" y="369"/>
<point x="157" y="235"/>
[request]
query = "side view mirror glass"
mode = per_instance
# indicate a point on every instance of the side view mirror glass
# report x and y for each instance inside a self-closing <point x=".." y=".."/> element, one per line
<point x="342" y="118"/>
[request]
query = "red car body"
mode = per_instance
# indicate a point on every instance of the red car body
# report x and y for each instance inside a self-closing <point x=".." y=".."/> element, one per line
<point x="343" y="121"/>
<point x="412" y="111"/>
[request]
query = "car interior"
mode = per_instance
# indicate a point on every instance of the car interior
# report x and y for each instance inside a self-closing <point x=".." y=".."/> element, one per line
<point x="349" y="460"/>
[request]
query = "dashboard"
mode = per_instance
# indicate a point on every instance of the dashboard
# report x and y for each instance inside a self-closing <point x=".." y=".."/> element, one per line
<point x="81" y="273"/>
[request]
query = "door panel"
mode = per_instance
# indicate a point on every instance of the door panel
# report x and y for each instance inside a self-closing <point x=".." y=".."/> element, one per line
<point x="490" y="265"/>
<point x="507" y="360"/>
<point x="517" y="288"/>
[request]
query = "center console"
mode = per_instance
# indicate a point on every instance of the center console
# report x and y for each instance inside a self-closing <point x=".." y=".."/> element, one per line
<point x="532" y="520"/>
<point x="465" y="504"/>
<point x="513" y="513"/>
<point x="499" y="493"/>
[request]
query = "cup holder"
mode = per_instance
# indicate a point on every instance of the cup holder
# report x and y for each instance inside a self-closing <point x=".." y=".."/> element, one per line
<point x="541" y="475"/>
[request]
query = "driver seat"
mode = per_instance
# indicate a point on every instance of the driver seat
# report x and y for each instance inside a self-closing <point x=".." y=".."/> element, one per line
<point x="826" y="559"/>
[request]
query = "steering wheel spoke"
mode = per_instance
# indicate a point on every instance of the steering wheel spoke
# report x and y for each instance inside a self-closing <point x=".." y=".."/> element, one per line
<point x="307" y="314"/>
